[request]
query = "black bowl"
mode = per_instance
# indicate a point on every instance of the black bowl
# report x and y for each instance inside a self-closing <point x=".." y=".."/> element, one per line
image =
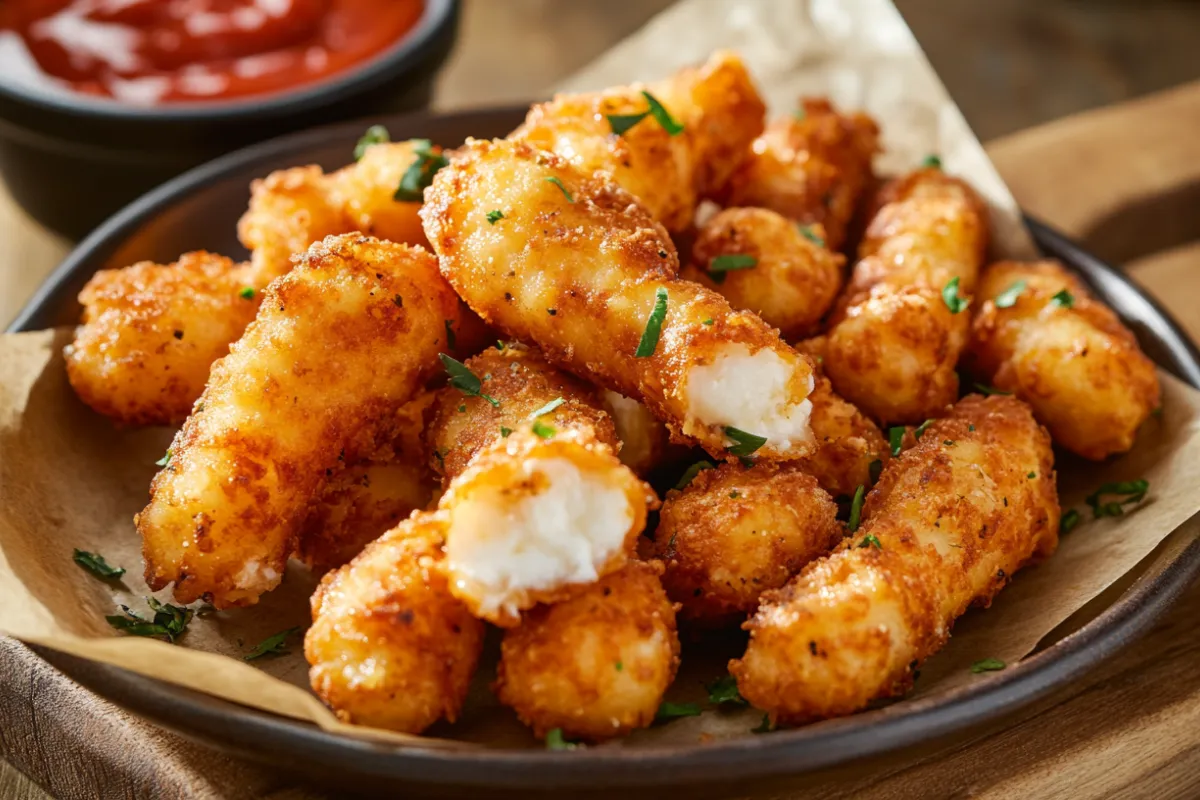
<point x="200" y="210"/>
<point x="71" y="161"/>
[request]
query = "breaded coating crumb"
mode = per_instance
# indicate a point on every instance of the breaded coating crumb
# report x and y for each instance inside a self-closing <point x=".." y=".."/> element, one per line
<point x="389" y="646"/>
<point x="848" y="443"/>
<point x="948" y="524"/>
<point x="596" y="664"/>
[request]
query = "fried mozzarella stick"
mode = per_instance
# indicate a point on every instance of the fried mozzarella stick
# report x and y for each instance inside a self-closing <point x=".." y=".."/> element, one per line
<point x="718" y="112"/>
<point x="762" y="262"/>
<point x="1042" y="336"/>
<point x="812" y="167"/>
<point x="340" y="342"/>
<point x="596" y="664"/>
<point x="732" y="533"/>
<point x="578" y="268"/>
<point x="901" y="323"/>
<point x="151" y="332"/>
<point x="946" y="527"/>
<point x="848" y="443"/>
<point x="389" y="645"/>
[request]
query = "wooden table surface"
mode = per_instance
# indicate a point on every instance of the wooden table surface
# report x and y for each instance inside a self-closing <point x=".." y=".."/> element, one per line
<point x="1126" y="181"/>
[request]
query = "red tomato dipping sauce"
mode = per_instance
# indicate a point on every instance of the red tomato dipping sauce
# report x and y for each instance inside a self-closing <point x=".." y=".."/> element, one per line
<point x="152" y="52"/>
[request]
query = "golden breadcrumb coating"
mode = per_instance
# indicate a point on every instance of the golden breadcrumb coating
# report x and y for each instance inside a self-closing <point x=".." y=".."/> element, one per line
<point x="894" y="340"/>
<point x="848" y="443"/>
<point x="340" y="342"/>
<point x="366" y="191"/>
<point x="151" y="332"/>
<point x="597" y="664"/>
<point x="812" y="167"/>
<point x="538" y="513"/>
<point x="645" y="442"/>
<point x="522" y="382"/>
<point x="793" y="280"/>
<point x="1071" y="359"/>
<point x="716" y="103"/>
<point x="732" y="533"/>
<point x="389" y="646"/>
<point x="946" y="527"/>
<point x="576" y="267"/>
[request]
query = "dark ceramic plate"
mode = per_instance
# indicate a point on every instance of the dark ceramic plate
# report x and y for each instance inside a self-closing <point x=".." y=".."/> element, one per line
<point x="200" y="210"/>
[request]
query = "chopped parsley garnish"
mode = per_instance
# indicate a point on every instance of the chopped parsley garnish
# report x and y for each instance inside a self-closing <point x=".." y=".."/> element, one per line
<point x="542" y="429"/>
<point x="670" y="711"/>
<point x="856" y="508"/>
<point x="505" y="432"/>
<point x="558" y="182"/>
<point x="724" y="691"/>
<point x="931" y="161"/>
<point x="464" y="380"/>
<point x="735" y="494"/>
<point x="620" y="123"/>
<point x="419" y="175"/>
<point x="169" y="621"/>
<point x="95" y="564"/>
<point x="765" y="726"/>
<point x="1069" y="521"/>
<point x="494" y="216"/>
<point x="808" y="233"/>
<point x="451" y="340"/>
<point x="875" y="469"/>
<point x="1031" y="475"/>
<point x="896" y="439"/>
<point x="744" y="444"/>
<point x="871" y="540"/>
<point x="165" y="461"/>
<point x="948" y="442"/>
<point x="1063" y="299"/>
<point x="618" y="666"/>
<point x="692" y="472"/>
<point x="247" y="293"/>
<point x="500" y="345"/>
<point x="654" y="323"/>
<point x="971" y="427"/>
<point x="1008" y="297"/>
<point x="953" y="300"/>
<point x="376" y="134"/>
<point x="987" y="665"/>
<point x="727" y="263"/>
<point x="272" y="645"/>
<point x="555" y="741"/>
<point x="924" y="426"/>
<point x="710" y="322"/>
<point x="1130" y="491"/>
<point x="546" y="409"/>
<point x="984" y="389"/>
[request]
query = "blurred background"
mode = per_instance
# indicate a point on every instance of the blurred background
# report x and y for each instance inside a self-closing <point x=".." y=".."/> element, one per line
<point x="1009" y="64"/>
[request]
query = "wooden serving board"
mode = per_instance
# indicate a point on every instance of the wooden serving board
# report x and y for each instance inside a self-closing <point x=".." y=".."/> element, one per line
<point x="1125" y="180"/>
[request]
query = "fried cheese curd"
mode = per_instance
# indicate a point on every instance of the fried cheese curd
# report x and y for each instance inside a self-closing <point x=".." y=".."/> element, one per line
<point x="1066" y="354"/>
<point x="578" y="268"/>
<point x="897" y="331"/>
<point x="760" y="261"/>
<point x="150" y="333"/>
<point x="812" y="167"/>
<point x="948" y="524"/>
<point x="595" y="664"/>
<point x="717" y="106"/>
<point x="389" y="645"/>
<point x="734" y="532"/>
<point x="339" y="343"/>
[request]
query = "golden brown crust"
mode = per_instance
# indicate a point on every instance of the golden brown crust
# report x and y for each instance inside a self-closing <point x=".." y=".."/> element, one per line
<point x="366" y="189"/>
<point x="151" y="332"/>
<point x="794" y="280"/>
<point x="1079" y="367"/>
<point x="847" y="443"/>
<point x="954" y="517"/>
<point x="339" y="344"/>
<point x="811" y="167"/>
<point x="733" y="533"/>
<point x="389" y="646"/>
<point x="597" y="664"/>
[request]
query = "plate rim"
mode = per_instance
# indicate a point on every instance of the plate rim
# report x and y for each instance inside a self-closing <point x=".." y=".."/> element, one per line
<point x="273" y="739"/>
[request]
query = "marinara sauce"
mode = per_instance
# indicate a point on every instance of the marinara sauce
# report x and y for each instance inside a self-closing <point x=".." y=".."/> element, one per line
<point x="150" y="52"/>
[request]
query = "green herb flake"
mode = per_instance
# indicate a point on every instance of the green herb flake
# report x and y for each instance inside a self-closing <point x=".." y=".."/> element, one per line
<point x="494" y="216"/>
<point x="247" y="293"/>
<point x="984" y="389"/>
<point x="95" y="564"/>
<point x="1008" y="298"/>
<point x="948" y="442"/>
<point x="724" y="691"/>
<point x="543" y="430"/>
<point x="1063" y="299"/>
<point x="953" y="300"/>
<point x="896" y="439"/>
<point x="931" y="161"/>
<point x="555" y="741"/>
<point x="1127" y="491"/>
<point x="730" y="262"/>
<point x="272" y="645"/>
<point x="735" y="494"/>
<point x="619" y="666"/>
<point x="971" y="427"/>
<point x="987" y="665"/>
<point x="505" y="432"/>
<point x="662" y="116"/>
<point x="808" y="233"/>
<point x="558" y="182"/>
<point x="744" y="444"/>
<point x="670" y="711"/>
<point x="765" y="726"/>
<point x="692" y="472"/>
<point x="924" y="426"/>
<point x="875" y="469"/>
<point x="169" y="621"/>
<point x="376" y="134"/>
<point x="464" y="380"/>
<point x="871" y="540"/>
<point x="1069" y="521"/>
<point x="1031" y="475"/>
<point x="546" y="409"/>
<point x="710" y="322"/>
<point x="165" y="461"/>
<point x="419" y="175"/>
<point x="654" y="323"/>
<point x="856" y="508"/>
<point x="451" y="339"/>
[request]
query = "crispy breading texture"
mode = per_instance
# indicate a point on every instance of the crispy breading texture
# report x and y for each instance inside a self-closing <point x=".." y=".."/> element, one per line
<point x="812" y="167"/>
<point x="894" y="341"/>
<point x="339" y="343"/>
<point x="948" y="524"/>
<point x="537" y="514"/>
<point x="522" y="382"/>
<point x="645" y="442"/>
<point x="733" y="533"/>
<point x="151" y="332"/>
<point x="793" y="280"/>
<point x="576" y="267"/>
<point x="389" y="646"/>
<point x="1071" y="358"/>
<point x="720" y="111"/>
<point x="366" y="189"/>
<point x="597" y="664"/>
<point x="848" y="443"/>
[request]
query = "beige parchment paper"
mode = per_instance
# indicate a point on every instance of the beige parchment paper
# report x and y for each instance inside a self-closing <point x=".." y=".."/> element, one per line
<point x="69" y="480"/>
